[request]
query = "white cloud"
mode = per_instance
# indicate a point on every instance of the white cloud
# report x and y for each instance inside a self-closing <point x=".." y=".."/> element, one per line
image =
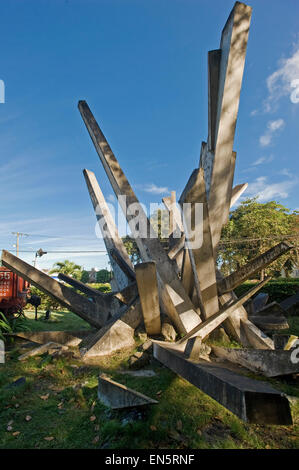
<point x="152" y="188"/>
<point x="281" y="82"/>
<point x="272" y="127"/>
<point x="267" y="191"/>
<point x="262" y="160"/>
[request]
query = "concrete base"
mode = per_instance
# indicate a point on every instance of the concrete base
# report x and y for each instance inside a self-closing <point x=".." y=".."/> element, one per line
<point x="108" y="340"/>
<point x="42" y="349"/>
<point x="68" y="338"/>
<point x="251" y="400"/>
<point x="117" y="396"/>
<point x="269" y="363"/>
<point x="270" y="318"/>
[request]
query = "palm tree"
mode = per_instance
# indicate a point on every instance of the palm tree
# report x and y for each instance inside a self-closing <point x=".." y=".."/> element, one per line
<point x="67" y="267"/>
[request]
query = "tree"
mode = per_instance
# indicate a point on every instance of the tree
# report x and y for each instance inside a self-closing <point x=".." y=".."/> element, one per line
<point x="252" y="229"/>
<point x="67" y="267"/>
<point x="103" y="276"/>
<point x="84" y="277"/>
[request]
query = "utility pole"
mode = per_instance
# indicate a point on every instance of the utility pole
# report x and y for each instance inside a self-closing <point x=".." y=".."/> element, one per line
<point x="18" y="235"/>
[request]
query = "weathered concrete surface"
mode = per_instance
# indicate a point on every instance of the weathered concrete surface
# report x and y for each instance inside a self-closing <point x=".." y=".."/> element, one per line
<point x="270" y="318"/>
<point x="67" y="338"/>
<point x="251" y="400"/>
<point x="290" y="302"/>
<point x="252" y="267"/>
<point x="214" y="63"/>
<point x="196" y="350"/>
<point x="205" y="328"/>
<point x="127" y="295"/>
<point x="108" y="228"/>
<point x="122" y="263"/>
<point x="269" y="363"/>
<point x="81" y="286"/>
<point x="233" y="51"/>
<point x="257" y="338"/>
<point x="94" y="314"/>
<point x="173" y="296"/>
<point x="146" y="277"/>
<point x="108" y="340"/>
<point x="51" y="346"/>
<point x="117" y="334"/>
<point x="202" y="257"/>
<point x="237" y="192"/>
<point x="117" y="396"/>
<point x="260" y="301"/>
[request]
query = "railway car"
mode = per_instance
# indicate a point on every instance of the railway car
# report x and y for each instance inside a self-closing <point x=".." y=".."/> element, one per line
<point x="13" y="292"/>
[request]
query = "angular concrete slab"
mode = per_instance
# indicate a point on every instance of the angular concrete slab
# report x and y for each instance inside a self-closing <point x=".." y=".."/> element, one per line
<point x="39" y="350"/>
<point x="233" y="51"/>
<point x="195" y="349"/>
<point x="273" y="363"/>
<point x="251" y="400"/>
<point x="91" y="312"/>
<point x="205" y="328"/>
<point x="230" y="282"/>
<point x="118" y="396"/>
<point x="256" y="338"/>
<point x="109" y="231"/>
<point x="270" y="318"/>
<point x="237" y="192"/>
<point x="146" y="277"/>
<point x="116" y="335"/>
<point x="260" y="301"/>
<point x="171" y="289"/>
<point x="67" y="338"/>
<point x="202" y="257"/>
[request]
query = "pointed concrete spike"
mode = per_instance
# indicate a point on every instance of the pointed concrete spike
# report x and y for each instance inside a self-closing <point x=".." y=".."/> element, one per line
<point x="214" y="61"/>
<point x="233" y="51"/>
<point x="117" y="396"/>
<point x="94" y="314"/>
<point x="237" y="193"/>
<point x="146" y="277"/>
<point x="108" y="229"/>
<point x="252" y="267"/>
<point x="201" y="251"/>
<point x="176" y="303"/>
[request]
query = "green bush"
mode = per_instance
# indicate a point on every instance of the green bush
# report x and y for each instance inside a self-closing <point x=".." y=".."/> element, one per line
<point x="102" y="287"/>
<point x="278" y="289"/>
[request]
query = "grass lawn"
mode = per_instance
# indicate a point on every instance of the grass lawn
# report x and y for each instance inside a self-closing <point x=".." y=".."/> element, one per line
<point x="60" y="320"/>
<point x="57" y="407"/>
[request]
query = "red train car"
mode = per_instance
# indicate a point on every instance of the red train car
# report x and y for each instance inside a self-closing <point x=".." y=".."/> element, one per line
<point x="13" y="292"/>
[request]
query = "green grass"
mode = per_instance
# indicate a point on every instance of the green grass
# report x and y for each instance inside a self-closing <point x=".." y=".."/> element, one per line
<point x="60" y="320"/>
<point x="184" y="418"/>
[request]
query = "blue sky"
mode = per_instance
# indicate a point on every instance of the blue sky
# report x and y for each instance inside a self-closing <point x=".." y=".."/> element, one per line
<point x="142" y="67"/>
